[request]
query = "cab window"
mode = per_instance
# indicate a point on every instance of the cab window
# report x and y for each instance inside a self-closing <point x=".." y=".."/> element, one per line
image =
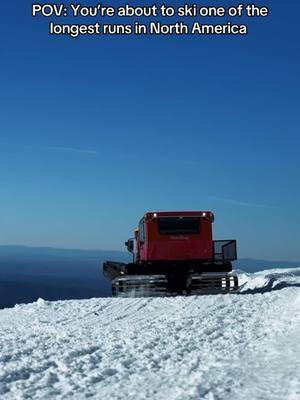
<point x="142" y="232"/>
<point x="179" y="225"/>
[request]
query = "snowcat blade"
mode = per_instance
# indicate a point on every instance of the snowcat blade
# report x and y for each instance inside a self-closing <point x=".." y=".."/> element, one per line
<point x="212" y="283"/>
<point x="140" y="286"/>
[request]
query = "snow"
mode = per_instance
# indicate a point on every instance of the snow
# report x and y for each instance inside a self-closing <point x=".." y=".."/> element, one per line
<point x="235" y="346"/>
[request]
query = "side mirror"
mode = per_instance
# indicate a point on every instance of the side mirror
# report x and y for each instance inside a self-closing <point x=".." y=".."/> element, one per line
<point x="130" y="245"/>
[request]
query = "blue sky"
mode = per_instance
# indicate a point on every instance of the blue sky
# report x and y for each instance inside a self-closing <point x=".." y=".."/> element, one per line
<point x="96" y="131"/>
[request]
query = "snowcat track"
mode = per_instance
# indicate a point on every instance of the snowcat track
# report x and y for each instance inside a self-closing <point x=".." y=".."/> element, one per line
<point x="126" y="282"/>
<point x="140" y="286"/>
<point x="199" y="284"/>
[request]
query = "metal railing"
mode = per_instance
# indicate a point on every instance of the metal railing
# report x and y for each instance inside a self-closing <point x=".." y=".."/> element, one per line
<point x="225" y="250"/>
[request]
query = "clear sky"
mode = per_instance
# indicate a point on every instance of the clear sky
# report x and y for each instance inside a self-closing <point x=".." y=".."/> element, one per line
<point x="96" y="131"/>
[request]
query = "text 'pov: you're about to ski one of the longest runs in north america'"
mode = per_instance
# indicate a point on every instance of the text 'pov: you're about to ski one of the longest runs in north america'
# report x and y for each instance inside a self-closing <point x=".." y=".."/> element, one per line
<point x="187" y="19"/>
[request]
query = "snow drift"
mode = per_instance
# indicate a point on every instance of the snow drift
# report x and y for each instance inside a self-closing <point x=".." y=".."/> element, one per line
<point x="235" y="346"/>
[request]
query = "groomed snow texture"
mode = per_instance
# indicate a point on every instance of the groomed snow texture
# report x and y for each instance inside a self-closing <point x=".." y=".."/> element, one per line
<point x="235" y="346"/>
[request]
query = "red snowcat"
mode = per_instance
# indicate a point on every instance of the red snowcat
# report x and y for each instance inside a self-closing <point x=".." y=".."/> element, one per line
<point x="174" y="253"/>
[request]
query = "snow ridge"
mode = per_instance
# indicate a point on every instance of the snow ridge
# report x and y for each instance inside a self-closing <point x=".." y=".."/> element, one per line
<point x="270" y="280"/>
<point x="235" y="346"/>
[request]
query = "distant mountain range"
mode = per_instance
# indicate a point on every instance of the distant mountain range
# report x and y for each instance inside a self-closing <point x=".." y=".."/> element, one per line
<point x="252" y="265"/>
<point x="27" y="273"/>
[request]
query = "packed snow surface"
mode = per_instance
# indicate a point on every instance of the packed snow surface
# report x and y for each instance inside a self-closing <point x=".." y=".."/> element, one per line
<point x="235" y="346"/>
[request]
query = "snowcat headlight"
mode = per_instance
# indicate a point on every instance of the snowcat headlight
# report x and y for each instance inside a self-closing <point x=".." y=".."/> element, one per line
<point x="150" y="216"/>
